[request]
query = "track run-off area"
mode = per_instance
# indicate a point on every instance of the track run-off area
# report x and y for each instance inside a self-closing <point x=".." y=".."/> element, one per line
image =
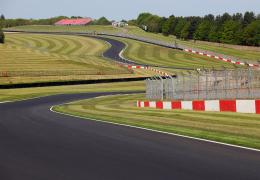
<point x="37" y="143"/>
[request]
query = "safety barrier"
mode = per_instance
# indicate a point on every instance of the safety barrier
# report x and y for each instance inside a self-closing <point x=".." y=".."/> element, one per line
<point x="240" y="106"/>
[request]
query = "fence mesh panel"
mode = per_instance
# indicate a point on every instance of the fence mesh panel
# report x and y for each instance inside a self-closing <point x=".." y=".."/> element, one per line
<point x="210" y="84"/>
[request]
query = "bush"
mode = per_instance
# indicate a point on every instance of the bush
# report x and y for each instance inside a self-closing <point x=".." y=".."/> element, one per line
<point x="2" y="36"/>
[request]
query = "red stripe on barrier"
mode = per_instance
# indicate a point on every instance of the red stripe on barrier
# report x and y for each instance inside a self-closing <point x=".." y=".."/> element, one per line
<point x="220" y="58"/>
<point x="228" y="105"/>
<point x="138" y="67"/>
<point x="198" y="105"/>
<point x="237" y="63"/>
<point x="159" y="104"/>
<point x="176" y="104"/>
<point x="146" y="104"/>
<point x="139" y="103"/>
<point x="257" y="106"/>
<point x="212" y="56"/>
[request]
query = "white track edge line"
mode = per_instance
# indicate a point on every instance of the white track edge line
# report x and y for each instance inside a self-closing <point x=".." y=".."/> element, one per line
<point x="157" y="131"/>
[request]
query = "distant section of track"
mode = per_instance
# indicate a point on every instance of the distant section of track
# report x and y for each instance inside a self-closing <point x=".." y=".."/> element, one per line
<point x="116" y="48"/>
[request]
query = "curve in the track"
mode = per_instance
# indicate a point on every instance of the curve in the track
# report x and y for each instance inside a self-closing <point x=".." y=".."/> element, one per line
<point x="38" y="144"/>
<point x="115" y="50"/>
<point x="117" y="47"/>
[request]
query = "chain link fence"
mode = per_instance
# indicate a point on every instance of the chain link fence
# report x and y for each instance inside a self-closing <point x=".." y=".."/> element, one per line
<point x="205" y="85"/>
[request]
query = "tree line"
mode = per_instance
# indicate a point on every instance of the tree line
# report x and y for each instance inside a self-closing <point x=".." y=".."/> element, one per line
<point x="241" y="29"/>
<point x="5" y="23"/>
<point x="2" y="36"/>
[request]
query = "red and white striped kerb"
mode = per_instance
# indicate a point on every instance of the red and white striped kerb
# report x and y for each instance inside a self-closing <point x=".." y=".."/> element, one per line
<point x="219" y="58"/>
<point x="146" y="67"/>
<point x="241" y="106"/>
<point x="136" y="67"/>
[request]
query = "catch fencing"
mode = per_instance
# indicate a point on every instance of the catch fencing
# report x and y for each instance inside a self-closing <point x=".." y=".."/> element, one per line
<point x="205" y="85"/>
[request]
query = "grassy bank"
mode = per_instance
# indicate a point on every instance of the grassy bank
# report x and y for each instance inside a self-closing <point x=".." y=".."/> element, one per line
<point x="160" y="56"/>
<point x="237" y="51"/>
<point x="233" y="128"/>
<point x="40" y="58"/>
<point x="25" y="93"/>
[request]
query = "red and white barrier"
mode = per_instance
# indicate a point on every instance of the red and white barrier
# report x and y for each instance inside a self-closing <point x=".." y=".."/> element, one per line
<point x="241" y="106"/>
<point x="149" y="68"/>
<point x="136" y="67"/>
<point x="220" y="58"/>
<point x="158" y="71"/>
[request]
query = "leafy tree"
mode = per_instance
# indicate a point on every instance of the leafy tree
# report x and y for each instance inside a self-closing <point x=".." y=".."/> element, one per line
<point x="161" y="22"/>
<point x="180" y="25"/>
<point x="166" y="27"/>
<point x="214" y="34"/>
<point x="248" y="18"/>
<point x="132" y="22"/>
<point x="238" y="17"/>
<point x="251" y="35"/>
<point x="143" y="18"/>
<point x="225" y="17"/>
<point x="185" y="32"/>
<point x="2" y="17"/>
<point x="202" y="32"/>
<point x="75" y="17"/>
<point x="195" y="21"/>
<point x="209" y="17"/>
<point x="103" y="21"/>
<point x="153" y="23"/>
<point x="231" y="32"/>
<point x="2" y="36"/>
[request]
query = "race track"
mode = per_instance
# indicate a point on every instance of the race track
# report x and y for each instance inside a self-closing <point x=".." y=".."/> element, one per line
<point x="36" y="143"/>
<point x="116" y="47"/>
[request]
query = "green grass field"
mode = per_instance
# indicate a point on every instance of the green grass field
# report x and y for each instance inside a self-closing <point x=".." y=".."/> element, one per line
<point x="236" y="51"/>
<point x="26" y="93"/>
<point x="233" y="128"/>
<point x="53" y="56"/>
<point x="47" y="28"/>
<point x="160" y="56"/>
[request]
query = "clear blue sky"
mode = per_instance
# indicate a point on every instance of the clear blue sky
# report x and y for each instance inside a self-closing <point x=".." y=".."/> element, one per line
<point x="122" y="9"/>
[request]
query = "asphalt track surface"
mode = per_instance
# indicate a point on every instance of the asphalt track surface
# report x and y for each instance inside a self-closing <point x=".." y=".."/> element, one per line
<point x="117" y="47"/>
<point x="36" y="143"/>
<point x="114" y="51"/>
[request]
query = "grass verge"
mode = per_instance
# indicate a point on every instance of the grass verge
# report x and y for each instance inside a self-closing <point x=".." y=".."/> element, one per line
<point x="242" y="52"/>
<point x="160" y="56"/>
<point x="27" y="58"/>
<point x="232" y="128"/>
<point x="26" y="93"/>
